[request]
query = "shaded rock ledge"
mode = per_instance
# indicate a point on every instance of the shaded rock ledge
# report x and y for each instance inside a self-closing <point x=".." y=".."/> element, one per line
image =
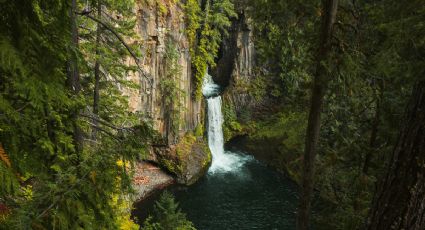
<point x="182" y="163"/>
<point x="149" y="178"/>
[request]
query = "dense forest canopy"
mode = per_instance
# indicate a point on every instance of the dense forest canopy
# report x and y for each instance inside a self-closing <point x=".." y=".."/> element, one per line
<point x="367" y="73"/>
<point x="66" y="134"/>
<point x="341" y="85"/>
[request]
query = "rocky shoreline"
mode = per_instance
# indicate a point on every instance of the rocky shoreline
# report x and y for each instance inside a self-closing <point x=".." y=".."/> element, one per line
<point x="149" y="178"/>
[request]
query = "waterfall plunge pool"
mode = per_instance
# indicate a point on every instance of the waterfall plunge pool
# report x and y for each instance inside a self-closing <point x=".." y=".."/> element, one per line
<point x="238" y="191"/>
<point x="252" y="196"/>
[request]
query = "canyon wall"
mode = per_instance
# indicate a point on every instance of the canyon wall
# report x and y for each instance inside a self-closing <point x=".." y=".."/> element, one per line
<point x="181" y="150"/>
<point x="159" y="24"/>
<point x="235" y="67"/>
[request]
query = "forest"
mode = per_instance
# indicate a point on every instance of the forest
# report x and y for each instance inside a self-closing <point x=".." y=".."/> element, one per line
<point x="212" y="114"/>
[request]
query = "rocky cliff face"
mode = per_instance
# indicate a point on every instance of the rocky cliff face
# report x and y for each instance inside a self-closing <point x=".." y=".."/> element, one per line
<point x="244" y="115"/>
<point x="159" y="24"/>
<point x="235" y="67"/>
<point x="235" y="70"/>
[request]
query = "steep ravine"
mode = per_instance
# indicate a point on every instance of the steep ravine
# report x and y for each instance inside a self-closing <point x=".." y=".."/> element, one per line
<point x="250" y="119"/>
<point x="238" y="191"/>
<point x="167" y="99"/>
<point x="211" y="202"/>
<point x="181" y="150"/>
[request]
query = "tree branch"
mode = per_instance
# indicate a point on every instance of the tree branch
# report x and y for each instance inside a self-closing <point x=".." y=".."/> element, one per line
<point x="94" y="117"/>
<point x="106" y="26"/>
<point x="105" y="131"/>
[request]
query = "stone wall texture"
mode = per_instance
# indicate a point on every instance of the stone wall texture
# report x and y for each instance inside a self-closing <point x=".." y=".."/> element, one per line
<point x="158" y="23"/>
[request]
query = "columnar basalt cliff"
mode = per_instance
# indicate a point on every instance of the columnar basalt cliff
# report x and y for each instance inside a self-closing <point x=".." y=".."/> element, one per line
<point x="155" y="29"/>
<point x="165" y="96"/>
<point x="235" y="68"/>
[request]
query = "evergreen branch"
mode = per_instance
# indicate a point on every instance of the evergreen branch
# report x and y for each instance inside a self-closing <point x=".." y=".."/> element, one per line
<point x="105" y="74"/>
<point x="105" y="131"/>
<point x="106" y="26"/>
<point x="65" y="192"/>
<point x="103" y="122"/>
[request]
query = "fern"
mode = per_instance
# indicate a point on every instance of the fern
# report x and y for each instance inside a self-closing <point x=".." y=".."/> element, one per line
<point x="10" y="61"/>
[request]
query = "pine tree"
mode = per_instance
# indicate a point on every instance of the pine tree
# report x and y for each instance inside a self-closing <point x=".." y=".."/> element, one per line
<point x="313" y="127"/>
<point x="55" y="175"/>
<point x="167" y="215"/>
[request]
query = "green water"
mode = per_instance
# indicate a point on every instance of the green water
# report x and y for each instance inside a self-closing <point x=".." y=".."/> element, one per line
<point x="252" y="196"/>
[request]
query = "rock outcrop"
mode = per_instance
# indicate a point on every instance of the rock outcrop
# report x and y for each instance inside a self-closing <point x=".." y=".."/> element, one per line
<point x="247" y="117"/>
<point x="175" y="115"/>
<point x="148" y="178"/>
<point x="235" y="67"/>
<point x="156" y="28"/>
<point x="188" y="160"/>
<point x="235" y="70"/>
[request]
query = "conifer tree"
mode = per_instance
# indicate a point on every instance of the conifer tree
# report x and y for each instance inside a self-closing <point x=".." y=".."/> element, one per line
<point x="167" y="215"/>
<point x="53" y="176"/>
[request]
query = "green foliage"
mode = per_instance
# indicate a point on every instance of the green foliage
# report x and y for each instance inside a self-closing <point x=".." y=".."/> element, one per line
<point x="59" y="186"/>
<point x="173" y="95"/>
<point x="167" y="216"/>
<point x="8" y="181"/>
<point x="9" y="184"/>
<point x="289" y="126"/>
<point x="199" y="130"/>
<point x="231" y="126"/>
<point x="374" y="61"/>
<point x="205" y="40"/>
<point x="283" y="44"/>
<point x="178" y="163"/>
<point x="193" y="22"/>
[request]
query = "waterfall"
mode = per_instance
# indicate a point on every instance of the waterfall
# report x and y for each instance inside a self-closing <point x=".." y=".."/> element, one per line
<point x="222" y="161"/>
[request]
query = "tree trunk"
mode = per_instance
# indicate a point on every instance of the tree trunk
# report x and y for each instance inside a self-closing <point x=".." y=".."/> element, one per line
<point x="313" y="127"/>
<point x="96" y="73"/>
<point x="74" y="77"/>
<point x="400" y="200"/>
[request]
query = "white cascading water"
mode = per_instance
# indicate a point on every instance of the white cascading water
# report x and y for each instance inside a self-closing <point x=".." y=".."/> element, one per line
<point x="222" y="161"/>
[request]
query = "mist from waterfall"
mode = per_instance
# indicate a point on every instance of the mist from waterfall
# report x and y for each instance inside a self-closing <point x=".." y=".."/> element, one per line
<point x="222" y="161"/>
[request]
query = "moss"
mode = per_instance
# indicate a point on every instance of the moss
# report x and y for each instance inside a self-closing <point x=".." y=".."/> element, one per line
<point x="178" y="164"/>
<point x="207" y="150"/>
<point x="162" y="8"/>
<point x="199" y="130"/>
<point x="277" y="140"/>
<point x="185" y="145"/>
<point x="288" y="128"/>
<point x="170" y="165"/>
<point x="291" y="126"/>
<point x="188" y="160"/>
<point x="231" y="126"/>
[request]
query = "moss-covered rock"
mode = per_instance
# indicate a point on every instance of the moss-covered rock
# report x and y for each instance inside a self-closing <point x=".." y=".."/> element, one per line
<point x="188" y="160"/>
